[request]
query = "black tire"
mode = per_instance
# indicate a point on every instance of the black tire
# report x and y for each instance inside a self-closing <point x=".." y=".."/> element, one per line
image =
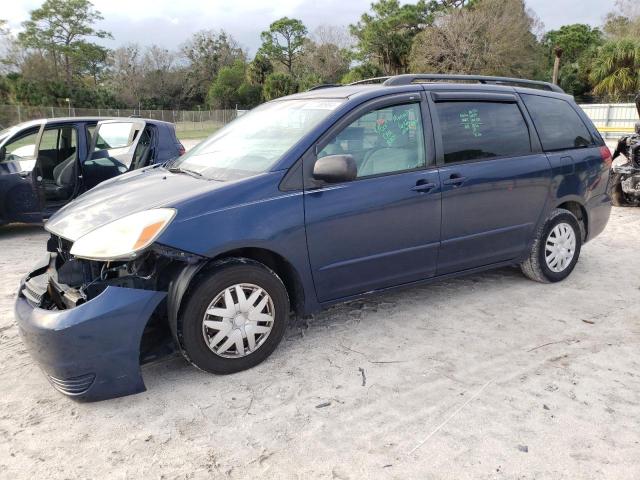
<point x="239" y="271"/>
<point x="618" y="198"/>
<point x="535" y="266"/>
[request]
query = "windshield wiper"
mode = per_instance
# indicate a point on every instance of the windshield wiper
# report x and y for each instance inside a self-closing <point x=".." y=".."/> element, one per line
<point x="193" y="173"/>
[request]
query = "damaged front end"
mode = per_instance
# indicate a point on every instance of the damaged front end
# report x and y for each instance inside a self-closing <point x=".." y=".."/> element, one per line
<point x="625" y="179"/>
<point x="626" y="182"/>
<point x="91" y="324"/>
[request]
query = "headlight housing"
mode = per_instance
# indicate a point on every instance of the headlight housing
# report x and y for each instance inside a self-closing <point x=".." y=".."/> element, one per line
<point x="122" y="239"/>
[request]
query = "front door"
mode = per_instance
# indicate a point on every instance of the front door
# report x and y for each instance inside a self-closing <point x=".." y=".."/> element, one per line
<point x="382" y="229"/>
<point x="112" y="152"/>
<point x="494" y="182"/>
<point x="19" y="201"/>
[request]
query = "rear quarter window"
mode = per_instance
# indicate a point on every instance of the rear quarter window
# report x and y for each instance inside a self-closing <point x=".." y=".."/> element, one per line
<point x="558" y="124"/>
<point x="482" y="130"/>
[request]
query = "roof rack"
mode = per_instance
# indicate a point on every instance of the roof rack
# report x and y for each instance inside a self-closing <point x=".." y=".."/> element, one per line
<point x="370" y="80"/>
<point x="325" y="85"/>
<point x="408" y="79"/>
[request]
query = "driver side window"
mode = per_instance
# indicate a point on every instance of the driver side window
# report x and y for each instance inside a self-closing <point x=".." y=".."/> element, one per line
<point x="383" y="141"/>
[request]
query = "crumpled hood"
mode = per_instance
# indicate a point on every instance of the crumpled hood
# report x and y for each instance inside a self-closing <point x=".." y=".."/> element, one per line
<point x="122" y="196"/>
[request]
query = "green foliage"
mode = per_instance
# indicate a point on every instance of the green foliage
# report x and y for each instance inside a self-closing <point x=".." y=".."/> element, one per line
<point x="39" y="93"/>
<point x="224" y="90"/>
<point x="385" y="35"/>
<point x="362" y="72"/>
<point x="230" y="89"/>
<point x="615" y="70"/>
<point x="259" y="69"/>
<point x="494" y="37"/>
<point x="60" y="27"/>
<point x="207" y="52"/>
<point x="322" y="63"/>
<point x="578" y="43"/>
<point x="283" y="41"/>
<point x="53" y="93"/>
<point x="309" y="80"/>
<point x="55" y="56"/>
<point x="574" y="79"/>
<point x="93" y="97"/>
<point x="91" y="59"/>
<point x="575" y="40"/>
<point x="278" y="85"/>
<point x="6" y="92"/>
<point x="249" y="95"/>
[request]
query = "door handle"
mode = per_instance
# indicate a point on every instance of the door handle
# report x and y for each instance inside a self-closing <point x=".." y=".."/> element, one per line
<point x="423" y="187"/>
<point x="455" y="179"/>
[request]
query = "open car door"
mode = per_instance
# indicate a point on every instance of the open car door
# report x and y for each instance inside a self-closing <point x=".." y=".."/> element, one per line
<point x="113" y="150"/>
<point x="19" y="199"/>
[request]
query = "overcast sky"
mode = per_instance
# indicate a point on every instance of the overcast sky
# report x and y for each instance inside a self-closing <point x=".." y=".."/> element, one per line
<point x="170" y="22"/>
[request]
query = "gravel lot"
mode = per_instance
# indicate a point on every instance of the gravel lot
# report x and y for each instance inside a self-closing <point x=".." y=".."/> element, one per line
<point x="486" y="376"/>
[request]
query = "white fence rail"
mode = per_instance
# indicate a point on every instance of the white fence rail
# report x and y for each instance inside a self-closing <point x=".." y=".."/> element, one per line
<point x="612" y="119"/>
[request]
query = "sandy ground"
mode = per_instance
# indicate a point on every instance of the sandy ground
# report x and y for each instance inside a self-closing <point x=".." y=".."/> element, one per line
<point x="486" y="376"/>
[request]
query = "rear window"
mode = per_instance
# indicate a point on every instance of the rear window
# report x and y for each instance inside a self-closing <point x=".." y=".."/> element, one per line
<point x="478" y="130"/>
<point x="558" y="124"/>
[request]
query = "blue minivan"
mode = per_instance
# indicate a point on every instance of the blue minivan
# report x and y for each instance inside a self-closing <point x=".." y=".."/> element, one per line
<point x="309" y="200"/>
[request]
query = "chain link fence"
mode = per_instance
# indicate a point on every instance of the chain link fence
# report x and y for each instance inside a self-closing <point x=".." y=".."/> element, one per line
<point x="613" y="120"/>
<point x="190" y="123"/>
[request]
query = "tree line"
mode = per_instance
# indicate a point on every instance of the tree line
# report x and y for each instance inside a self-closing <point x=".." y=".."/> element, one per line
<point x="55" y="59"/>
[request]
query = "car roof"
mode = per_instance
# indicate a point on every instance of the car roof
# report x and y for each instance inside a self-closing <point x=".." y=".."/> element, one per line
<point x="59" y="120"/>
<point x="404" y="83"/>
<point x="151" y="121"/>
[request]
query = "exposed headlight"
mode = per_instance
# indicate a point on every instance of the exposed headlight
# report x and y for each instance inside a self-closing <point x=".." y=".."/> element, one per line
<point x="122" y="239"/>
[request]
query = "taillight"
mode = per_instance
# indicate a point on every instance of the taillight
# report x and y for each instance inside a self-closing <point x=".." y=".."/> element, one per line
<point x="605" y="153"/>
<point x="181" y="149"/>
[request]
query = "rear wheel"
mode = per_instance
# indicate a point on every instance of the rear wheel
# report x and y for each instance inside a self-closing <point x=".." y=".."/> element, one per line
<point x="556" y="248"/>
<point x="235" y="317"/>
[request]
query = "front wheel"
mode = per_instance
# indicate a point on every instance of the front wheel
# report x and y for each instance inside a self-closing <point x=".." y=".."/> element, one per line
<point x="235" y="317"/>
<point x="555" y="249"/>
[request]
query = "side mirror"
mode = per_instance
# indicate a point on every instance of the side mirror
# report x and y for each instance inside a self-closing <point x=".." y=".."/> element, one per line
<point x="335" y="169"/>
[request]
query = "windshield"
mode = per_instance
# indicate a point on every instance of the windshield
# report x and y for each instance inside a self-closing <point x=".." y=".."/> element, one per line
<point x="252" y="143"/>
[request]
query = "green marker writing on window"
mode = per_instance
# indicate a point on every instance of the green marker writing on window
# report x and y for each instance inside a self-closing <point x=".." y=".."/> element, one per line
<point x="470" y="120"/>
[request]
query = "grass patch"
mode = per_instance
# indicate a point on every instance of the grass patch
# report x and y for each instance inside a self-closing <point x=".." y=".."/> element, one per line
<point x="189" y="132"/>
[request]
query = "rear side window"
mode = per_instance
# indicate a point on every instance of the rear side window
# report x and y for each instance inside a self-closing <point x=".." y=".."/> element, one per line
<point x="558" y="124"/>
<point x="478" y="130"/>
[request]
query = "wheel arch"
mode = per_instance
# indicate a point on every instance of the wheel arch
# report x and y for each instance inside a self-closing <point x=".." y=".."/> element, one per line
<point x="580" y="212"/>
<point x="191" y="274"/>
<point x="275" y="262"/>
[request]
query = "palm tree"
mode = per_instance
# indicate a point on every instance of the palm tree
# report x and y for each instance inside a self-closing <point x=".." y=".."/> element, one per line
<point x="615" y="70"/>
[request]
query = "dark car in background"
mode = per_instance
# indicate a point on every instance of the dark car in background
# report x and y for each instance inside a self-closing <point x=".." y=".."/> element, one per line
<point x="306" y="201"/>
<point x="48" y="162"/>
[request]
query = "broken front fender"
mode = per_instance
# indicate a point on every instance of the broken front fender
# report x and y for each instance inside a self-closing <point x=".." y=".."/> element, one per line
<point x="90" y="352"/>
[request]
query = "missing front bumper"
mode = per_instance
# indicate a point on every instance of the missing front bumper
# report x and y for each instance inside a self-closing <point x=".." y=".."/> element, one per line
<point x="90" y="352"/>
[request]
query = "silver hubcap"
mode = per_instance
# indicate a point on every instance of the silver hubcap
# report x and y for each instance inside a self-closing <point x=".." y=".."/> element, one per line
<point x="560" y="247"/>
<point x="238" y="320"/>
